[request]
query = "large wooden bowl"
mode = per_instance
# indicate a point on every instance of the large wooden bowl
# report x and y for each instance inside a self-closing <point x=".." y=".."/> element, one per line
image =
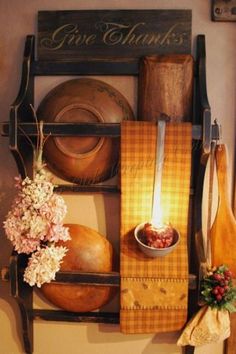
<point x="83" y="160"/>
<point x="90" y="252"/>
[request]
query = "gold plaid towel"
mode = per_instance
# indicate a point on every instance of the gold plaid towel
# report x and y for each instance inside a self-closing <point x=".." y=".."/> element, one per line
<point x="153" y="291"/>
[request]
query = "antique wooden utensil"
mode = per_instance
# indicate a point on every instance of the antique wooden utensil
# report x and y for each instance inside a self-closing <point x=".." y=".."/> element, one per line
<point x="88" y="159"/>
<point x="88" y="251"/>
<point x="230" y="343"/>
<point x="223" y="231"/>
<point x="166" y="88"/>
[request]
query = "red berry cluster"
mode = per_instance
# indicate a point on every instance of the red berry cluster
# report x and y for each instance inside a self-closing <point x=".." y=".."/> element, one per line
<point x="217" y="288"/>
<point x="222" y="286"/>
<point x="158" y="237"/>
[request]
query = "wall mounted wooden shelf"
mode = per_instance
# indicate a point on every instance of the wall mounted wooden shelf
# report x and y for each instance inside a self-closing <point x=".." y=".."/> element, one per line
<point x="21" y="119"/>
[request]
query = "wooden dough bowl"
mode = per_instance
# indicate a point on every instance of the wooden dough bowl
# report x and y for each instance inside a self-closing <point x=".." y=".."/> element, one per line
<point x="88" y="251"/>
<point x="89" y="159"/>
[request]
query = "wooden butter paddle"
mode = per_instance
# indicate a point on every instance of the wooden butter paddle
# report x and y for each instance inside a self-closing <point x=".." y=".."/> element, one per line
<point x="223" y="231"/>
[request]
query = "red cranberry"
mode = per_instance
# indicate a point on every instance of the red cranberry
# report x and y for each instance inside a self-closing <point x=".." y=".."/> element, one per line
<point x="217" y="277"/>
<point x="158" y="237"/>
<point x="221" y="291"/>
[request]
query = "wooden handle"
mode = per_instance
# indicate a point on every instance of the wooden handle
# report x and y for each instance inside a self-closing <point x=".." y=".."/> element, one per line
<point x="223" y="231"/>
<point x="221" y="166"/>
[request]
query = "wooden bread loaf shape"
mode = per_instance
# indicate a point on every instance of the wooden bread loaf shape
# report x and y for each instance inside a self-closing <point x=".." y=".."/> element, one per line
<point x="223" y="231"/>
<point x="88" y="251"/>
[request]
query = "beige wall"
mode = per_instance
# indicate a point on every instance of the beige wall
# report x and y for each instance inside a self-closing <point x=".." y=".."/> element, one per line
<point x="18" y="18"/>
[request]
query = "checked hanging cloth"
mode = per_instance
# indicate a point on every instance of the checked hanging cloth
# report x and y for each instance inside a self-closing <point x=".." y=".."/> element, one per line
<point x="153" y="291"/>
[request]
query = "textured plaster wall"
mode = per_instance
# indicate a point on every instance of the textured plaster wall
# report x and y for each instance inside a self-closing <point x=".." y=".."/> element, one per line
<point x="18" y="18"/>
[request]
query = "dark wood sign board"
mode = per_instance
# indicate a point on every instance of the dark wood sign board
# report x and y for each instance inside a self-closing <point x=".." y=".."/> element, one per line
<point x="76" y="35"/>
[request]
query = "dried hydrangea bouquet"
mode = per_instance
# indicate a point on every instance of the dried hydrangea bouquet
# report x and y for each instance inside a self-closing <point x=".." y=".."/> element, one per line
<point x="35" y="221"/>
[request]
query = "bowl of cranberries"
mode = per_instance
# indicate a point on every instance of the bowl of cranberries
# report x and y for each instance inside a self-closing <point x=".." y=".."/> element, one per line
<point x="156" y="241"/>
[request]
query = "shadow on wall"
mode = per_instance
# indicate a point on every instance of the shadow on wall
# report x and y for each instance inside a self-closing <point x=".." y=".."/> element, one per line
<point x="9" y="312"/>
<point x="165" y="342"/>
<point x="8" y="306"/>
<point x="111" y="218"/>
<point x="7" y="193"/>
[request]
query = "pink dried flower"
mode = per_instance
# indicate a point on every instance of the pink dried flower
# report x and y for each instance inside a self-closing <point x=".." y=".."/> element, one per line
<point x="57" y="232"/>
<point x="43" y="265"/>
<point x="18" y="181"/>
<point x="36" y="215"/>
<point x="55" y="210"/>
<point x="35" y="220"/>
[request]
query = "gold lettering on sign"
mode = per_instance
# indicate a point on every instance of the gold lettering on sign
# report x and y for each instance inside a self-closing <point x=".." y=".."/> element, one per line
<point x="116" y="35"/>
<point x="67" y="34"/>
<point x="112" y="34"/>
<point x="171" y="36"/>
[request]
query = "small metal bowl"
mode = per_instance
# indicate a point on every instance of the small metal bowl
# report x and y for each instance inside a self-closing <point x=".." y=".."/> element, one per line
<point x="154" y="252"/>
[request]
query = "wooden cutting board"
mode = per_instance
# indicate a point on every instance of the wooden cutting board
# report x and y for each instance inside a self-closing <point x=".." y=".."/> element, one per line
<point x="223" y="234"/>
<point x="230" y="345"/>
<point x="223" y="231"/>
<point x="166" y="88"/>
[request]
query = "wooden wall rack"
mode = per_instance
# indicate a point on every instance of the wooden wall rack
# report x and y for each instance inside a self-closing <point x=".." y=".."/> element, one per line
<point x="22" y="122"/>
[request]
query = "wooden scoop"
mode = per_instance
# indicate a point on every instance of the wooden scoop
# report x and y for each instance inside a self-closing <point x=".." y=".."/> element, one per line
<point x="223" y="231"/>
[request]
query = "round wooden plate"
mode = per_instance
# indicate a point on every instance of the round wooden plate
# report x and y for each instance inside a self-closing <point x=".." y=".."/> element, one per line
<point x="83" y="160"/>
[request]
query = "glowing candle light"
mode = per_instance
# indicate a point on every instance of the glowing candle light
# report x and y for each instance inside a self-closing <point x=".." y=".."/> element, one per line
<point x="157" y="217"/>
